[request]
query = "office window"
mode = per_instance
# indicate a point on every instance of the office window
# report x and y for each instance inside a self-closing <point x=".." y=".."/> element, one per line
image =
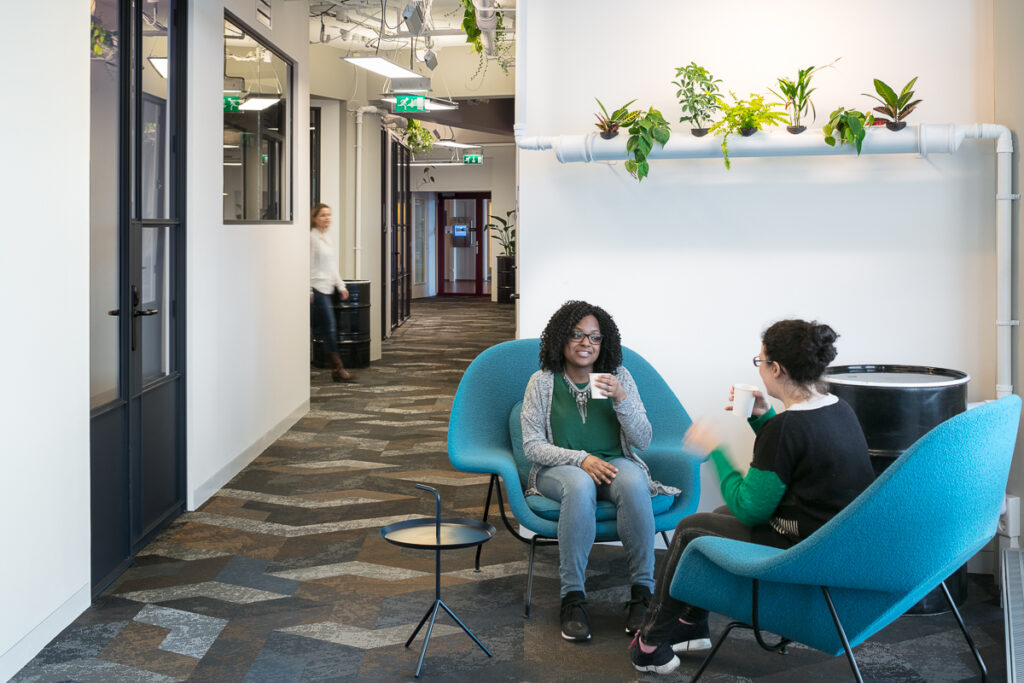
<point x="257" y="128"/>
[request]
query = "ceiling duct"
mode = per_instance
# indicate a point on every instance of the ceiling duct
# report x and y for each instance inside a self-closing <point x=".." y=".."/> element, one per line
<point x="487" y="22"/>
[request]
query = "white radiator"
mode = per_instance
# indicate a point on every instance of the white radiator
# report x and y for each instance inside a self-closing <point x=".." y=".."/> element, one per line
<point x="1013" y="612"/>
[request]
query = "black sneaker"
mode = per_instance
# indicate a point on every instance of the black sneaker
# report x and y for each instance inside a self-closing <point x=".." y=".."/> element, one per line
<point x="574" y="617"/>
<point x="639" y="601"/>
<point x="690" y="637"/>
<point x="661" y="661"/>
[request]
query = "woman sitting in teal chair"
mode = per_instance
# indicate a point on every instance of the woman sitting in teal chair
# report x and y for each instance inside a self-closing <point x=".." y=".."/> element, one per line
<point x="583" y="450"/>
<point x="809" y="463"/>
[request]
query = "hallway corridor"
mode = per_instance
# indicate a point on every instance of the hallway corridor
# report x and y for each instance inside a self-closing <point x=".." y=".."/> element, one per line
<point x="283" y="575"/>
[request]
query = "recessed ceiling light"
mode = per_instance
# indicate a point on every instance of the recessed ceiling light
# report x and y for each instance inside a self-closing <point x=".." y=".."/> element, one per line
<point x="382" y="66"/>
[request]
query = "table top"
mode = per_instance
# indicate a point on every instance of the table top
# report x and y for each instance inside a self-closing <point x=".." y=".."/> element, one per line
<point x="422" y="533"/>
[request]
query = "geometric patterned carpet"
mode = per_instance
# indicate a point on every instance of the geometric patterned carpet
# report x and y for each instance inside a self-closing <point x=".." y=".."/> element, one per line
<point x="283" y="575"/>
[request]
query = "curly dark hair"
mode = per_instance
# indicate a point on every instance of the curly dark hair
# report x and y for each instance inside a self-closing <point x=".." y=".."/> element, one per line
<point x="556" y="335"/>
<point x="803" y="348"/>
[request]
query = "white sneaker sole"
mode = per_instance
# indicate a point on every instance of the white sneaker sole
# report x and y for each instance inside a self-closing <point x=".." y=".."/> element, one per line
<point x="666" y="668"/>
<point x="692" y="645"/>
<point x="580" y="640"/>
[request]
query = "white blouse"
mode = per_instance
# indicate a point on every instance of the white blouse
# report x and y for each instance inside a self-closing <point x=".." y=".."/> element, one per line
<point x="323" y="264"/>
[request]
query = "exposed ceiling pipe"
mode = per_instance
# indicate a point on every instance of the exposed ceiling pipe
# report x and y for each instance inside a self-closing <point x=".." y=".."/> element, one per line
<point x="487" y="22"/>
<point x="923" y="140"/>
<point x="357" y="247"/>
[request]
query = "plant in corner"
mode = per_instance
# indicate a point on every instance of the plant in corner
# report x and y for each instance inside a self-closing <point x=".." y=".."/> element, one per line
<point x="609" y="124"/>
<point x="647" y="129"/>
<point x="505" y="233"/>
<point x="697" y="95"/>
<point x="796" y="96"/>
<point x="417" y="138"/>
<point x="896" y="107"/>
<point x="847" y="126"/>
<point x="745" y="117"/>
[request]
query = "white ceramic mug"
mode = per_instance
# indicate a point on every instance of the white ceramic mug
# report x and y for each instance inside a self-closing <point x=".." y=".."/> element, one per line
<point x="743" y="399"/>
<point x="594" y="391"/>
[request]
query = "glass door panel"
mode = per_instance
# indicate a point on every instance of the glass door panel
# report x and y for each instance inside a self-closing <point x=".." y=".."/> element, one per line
<point x="155" y="332"/>
<point x="460" y="244"/>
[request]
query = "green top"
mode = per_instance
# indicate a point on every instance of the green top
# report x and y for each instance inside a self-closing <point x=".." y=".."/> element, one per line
<point x="600" y="436"/>
<point x="752" y="498"/>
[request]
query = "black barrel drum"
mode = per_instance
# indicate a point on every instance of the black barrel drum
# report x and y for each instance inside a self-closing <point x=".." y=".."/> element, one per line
<point x="352" y="316"/>
<point x="896" y="405"/>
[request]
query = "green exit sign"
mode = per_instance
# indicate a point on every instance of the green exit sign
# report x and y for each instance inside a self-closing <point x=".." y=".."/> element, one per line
<point x="410" y="103"/>
<point x="231" y="104"/>
<point x="472" y="158"/>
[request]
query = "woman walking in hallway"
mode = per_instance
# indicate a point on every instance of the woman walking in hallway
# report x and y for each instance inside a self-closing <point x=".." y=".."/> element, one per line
<point x="324" y="280"/>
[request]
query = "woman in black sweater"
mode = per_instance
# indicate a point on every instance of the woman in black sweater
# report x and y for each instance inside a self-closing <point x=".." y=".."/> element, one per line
<point x="809" y="463"/>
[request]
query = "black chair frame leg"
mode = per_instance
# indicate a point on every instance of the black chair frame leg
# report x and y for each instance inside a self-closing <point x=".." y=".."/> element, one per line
<point x="487" y="510"/>
<point x="842" y="634"/>
<point x="963" y="628"/>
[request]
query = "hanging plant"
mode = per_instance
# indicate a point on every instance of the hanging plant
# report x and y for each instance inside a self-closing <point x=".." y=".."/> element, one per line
<point x="103" y="42"/>
<point x="745" y="117"/>
<point x="895" y="107"/>
<point x="847" y="126"/>
<point x="502" y="50"/>
<point x="796" y="96"/>
<point x="644" y="131"/>
<point x="417" y="138"/>
<point x="698" y="96"/>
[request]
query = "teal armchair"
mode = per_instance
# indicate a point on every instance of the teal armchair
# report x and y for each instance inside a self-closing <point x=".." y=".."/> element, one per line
<point x="924" y="517"/>
<point x="484" y="436"/>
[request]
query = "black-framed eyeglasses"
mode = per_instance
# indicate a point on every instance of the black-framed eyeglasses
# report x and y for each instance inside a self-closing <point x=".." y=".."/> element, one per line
<point x="577" y="335"/>
<point x="758" y="360"/>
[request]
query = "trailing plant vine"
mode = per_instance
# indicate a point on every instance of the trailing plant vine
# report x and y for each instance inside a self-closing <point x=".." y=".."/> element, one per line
<point x="644" y="131"/>
<point x="417" y="138"/>
<point x="744" y="116"/>
<point x="847" y="126"/>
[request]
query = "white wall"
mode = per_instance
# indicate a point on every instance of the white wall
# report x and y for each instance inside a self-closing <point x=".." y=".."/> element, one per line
<point x="247" y="285"/>
<point x="897" y="253"/>
<point x="44" y="301"/>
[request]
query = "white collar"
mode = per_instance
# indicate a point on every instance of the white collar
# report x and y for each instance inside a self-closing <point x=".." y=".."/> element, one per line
<point x="815" y="403"/>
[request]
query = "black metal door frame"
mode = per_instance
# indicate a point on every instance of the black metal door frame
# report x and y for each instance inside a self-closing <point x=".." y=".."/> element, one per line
<point x="479" y="231"/>
<point x="396" y="235"/>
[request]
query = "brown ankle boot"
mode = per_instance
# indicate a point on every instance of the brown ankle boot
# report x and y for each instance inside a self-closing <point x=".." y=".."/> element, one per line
<point x="338" y="371"/>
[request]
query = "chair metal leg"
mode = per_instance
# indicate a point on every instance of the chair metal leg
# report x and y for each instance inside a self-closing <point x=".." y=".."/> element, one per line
<point x="487" y="509"/>
<point x="664" y="537"/>
<point x="970" y="641"/>
<point x="842" y="635"/>
<point x="718" y="643"/>
<point x="780" y="646"/>
<point x="529" y="580"/>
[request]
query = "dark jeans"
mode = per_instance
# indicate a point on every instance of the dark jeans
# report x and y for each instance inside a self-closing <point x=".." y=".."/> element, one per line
<point x="664" y="609"/>
<point x="321" y="311"/>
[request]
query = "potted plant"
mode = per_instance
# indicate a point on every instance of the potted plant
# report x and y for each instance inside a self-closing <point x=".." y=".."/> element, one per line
<point x="504" y="231"/>
<point x="896" y="107"/>
<point x="745" y="117"/>
<point x="847" y="126"/>
<point x="417" y="138"/>
<point x="796" y="96"/>
<point x="645" y="130"/>
<point x="609" y="124"/>
<point x="698" y="96"/>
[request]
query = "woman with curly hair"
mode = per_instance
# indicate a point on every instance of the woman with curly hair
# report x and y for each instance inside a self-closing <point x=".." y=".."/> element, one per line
<point x="810" y="462"/>
<point x="584" y="450"/>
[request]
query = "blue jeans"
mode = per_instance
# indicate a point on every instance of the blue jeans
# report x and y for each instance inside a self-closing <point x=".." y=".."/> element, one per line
<point x="577" y="521"/>
<point x="321" y="310"/>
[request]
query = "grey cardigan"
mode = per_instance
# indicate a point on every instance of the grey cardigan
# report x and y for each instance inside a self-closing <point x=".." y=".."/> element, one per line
<point x="538" y="443"/>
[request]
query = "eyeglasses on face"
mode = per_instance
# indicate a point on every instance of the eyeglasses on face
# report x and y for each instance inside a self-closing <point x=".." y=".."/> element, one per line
<point x="577" y="336"/>
<point x="758" y="360"/>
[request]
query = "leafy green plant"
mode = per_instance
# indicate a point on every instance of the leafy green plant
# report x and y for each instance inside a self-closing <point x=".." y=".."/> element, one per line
<point x="417" y="138"/>
<point x="609" y="124"/>
<point x="847" y="126"/>
<point x="744" y="117"/>
<point x="647" y="129"/>
<point x="895" y="107"/>
<point x="502" y="48"/>
<point x="796" y="95"/>
<point x="505" y="233"/>
<point x="697" y="94"/>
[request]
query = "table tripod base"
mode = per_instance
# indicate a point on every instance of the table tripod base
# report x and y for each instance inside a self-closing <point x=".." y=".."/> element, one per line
<point x="432" y="613"/>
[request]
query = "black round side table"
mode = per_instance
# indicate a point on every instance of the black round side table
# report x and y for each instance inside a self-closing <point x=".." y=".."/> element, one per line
<point x="438" y="534"/>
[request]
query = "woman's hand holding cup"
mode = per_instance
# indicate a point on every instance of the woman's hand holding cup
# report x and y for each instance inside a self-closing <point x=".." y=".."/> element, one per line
<point x="758" y="406"/>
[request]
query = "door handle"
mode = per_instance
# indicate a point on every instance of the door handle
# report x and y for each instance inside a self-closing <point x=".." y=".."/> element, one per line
<point x="136" y="314"/>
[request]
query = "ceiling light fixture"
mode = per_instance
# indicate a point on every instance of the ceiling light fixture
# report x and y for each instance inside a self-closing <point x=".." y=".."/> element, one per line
<point x="258" y="102"/>
<point x="452" y="143"/>
<point x="160" y="64"/>
<point x="382" y="66"/>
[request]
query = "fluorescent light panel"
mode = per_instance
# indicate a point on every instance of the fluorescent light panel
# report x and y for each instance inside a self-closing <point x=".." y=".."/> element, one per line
<point x="452" y="143"/>
<point x="382" y="66"/>
<point x="160" y="64"/>
<point x="259" y="102"/>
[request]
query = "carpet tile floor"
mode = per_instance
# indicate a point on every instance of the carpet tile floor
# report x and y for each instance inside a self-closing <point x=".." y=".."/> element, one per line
<point x="283" y="574"/>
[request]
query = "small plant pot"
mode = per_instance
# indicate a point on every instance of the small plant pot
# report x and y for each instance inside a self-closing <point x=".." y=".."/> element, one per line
<point x="796" y="130"/>
<point x="608" y="135"/>
<point x="895" y="125"/>
<point x="747" y="132"/>
<point x="698" y="132"/>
